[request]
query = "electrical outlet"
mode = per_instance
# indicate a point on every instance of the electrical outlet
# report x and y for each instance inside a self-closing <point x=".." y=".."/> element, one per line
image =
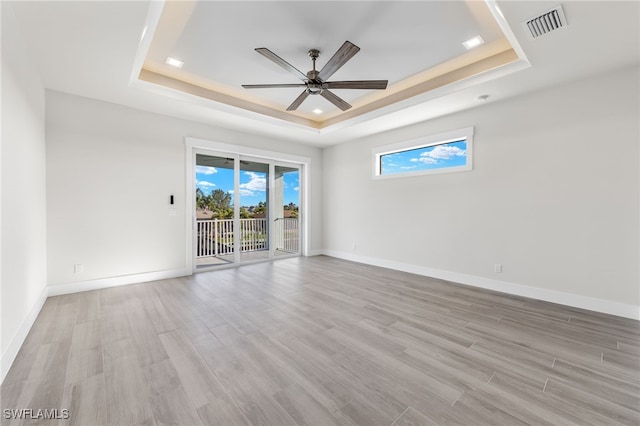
<point x="78" y="268"/>
<point x="497" y="268"/>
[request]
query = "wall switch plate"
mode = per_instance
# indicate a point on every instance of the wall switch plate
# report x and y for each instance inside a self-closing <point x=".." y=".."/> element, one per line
<point x="497" y="268"/>
<point x="78" y="268"/>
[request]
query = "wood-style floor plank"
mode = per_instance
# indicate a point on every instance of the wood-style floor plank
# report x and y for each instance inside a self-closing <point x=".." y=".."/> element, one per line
<point x="412" y="417"/>
<point x="85" y="400"/>
<point x="322" y="341"/>
<point x="169" y="402"/>
<point x="126" y="391"/>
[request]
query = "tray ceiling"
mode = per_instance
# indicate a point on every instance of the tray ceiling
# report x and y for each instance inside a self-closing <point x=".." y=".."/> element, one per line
<point x="417" y="46"/>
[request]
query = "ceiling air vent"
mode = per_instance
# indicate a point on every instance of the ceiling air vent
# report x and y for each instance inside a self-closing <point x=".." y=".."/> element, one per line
<point x="549" y="21"/>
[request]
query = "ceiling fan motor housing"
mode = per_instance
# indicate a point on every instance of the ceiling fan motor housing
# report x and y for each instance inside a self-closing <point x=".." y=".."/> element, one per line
<point x="314" y="88"/>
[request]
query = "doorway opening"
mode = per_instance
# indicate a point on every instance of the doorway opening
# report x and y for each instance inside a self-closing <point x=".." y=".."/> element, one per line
<point x="246" y="209"/>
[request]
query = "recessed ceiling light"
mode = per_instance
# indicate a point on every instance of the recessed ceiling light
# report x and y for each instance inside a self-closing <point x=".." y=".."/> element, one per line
<point x="174" y="62"/>
<point x="473" y="42"/>
<point x="317" y="111"/>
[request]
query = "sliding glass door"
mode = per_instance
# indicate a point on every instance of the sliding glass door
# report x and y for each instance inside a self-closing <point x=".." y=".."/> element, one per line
<point x="253" y="197"/>
<point x="286" y="210"/>
<point x="215" y="211"/>
<point x="247" y="209"/>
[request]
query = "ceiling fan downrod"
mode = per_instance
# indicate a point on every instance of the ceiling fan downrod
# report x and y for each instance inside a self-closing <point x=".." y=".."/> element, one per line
<point x="314" y="86"/>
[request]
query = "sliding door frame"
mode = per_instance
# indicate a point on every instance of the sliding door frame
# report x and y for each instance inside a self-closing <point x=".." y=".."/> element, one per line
<point x="301" y="212"/>
<point x="206" y="147"/>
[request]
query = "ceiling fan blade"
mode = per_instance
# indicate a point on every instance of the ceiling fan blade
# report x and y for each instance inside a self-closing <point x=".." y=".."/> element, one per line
<point x="346" y="52"/>
<point x="284" y="64"/>
<point x="357" y="84"/>
<point x="335" y="99"/>
<point x="298" y="101"/>
<point x="269" y="86"/>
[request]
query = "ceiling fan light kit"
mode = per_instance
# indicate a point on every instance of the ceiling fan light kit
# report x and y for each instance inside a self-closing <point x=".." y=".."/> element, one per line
<point x="315" y="82"/>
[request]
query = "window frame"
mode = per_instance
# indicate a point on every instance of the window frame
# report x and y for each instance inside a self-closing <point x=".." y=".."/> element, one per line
<point x="465" y="134"/>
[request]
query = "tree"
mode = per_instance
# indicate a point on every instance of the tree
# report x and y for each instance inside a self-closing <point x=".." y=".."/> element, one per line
<point x="224" y="213"/>
<point x="219" y="202"/>
<point x="201" y="199"/>
<point x="261" y="208"/>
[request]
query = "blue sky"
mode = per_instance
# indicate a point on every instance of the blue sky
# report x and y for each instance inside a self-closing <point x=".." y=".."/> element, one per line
<point x="252" y="184"/>
<point x="451" y="154"/>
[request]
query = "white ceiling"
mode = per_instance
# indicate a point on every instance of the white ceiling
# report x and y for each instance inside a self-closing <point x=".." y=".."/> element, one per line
<point x="96" y="49"/>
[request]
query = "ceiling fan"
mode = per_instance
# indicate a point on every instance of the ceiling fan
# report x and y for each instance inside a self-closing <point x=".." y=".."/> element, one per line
<point x="315" y="82"/>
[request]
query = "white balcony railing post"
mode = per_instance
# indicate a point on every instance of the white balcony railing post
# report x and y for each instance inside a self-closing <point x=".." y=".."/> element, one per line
<point x="215" y="237"/>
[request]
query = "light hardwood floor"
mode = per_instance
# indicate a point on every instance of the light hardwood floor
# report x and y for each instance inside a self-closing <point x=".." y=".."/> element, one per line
<point x="322" y="341"/>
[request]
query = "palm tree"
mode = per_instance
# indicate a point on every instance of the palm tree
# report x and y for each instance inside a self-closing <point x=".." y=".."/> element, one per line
<point x="219" y="202"/>
<point x="219" y="199"/>
<point x="201" y="199"/>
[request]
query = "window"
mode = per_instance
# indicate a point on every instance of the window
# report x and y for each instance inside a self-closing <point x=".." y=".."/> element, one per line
<point x="443" y="153"/>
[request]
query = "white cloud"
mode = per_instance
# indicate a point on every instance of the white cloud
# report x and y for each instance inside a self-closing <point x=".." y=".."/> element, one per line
<point x="297" y="188"/>
<point x="440" y="152"/>
<point x="426" y="160"/>
<point x="206" y="170"/>
<point x="443" y="152"/>
<point x="258" y="182"/>
<point x="205" y="184"/>
<point x="244" y="192"/>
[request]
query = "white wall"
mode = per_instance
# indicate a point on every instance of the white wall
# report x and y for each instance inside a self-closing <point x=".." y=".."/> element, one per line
<point x="23" y="200"/>
<point x="110" y="172"/>
<point x="553" y="197"/>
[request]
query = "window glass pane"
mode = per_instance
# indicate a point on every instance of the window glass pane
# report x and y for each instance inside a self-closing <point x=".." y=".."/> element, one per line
<point x="254" y="210"/>
<point x="285" y="227"/>
<point x="214" y="187"/>
<point x="214" y="202"/>
<point x="446" y="155"/>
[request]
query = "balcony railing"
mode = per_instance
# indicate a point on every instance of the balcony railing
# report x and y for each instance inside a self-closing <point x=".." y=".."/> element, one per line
<point x="215" y="236"/>
<point x="287" y="234"/>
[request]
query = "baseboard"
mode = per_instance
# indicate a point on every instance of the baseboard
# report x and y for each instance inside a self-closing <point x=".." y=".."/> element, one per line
<point x="315" y="253"/>
<point x="568" y="299"/>
<point x="16" y="343"/>
<point x="76" y="287"/>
